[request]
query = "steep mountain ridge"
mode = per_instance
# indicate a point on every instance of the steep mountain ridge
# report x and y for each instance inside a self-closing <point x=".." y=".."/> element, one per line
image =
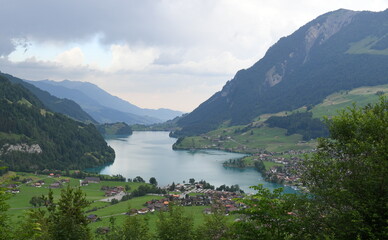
<point x="96" y="102"/>
<point x="64" y="106"/>
<point x="301" y="69"/>
<point x="33" y="138"/>
<point x="100" y="113"/>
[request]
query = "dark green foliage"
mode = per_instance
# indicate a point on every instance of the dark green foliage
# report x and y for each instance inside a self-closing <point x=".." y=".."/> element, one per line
<point x="65" y="143"/>
<point x="215" y="225"/>
<point x="4" y="219"/>
<point x="206" y="185"/>
<point x="67" y="217"/>
<point x="307" y="74"/>
<point x="134" y="228"/>
<point x="233" y="188"/>
<point x="37" y="201"/>
<point x="269" y="215"/>
<point x="153" y="181"/>
<point x="64" y="106"/>
<point x="348" y="175"/>
<point x="259" y="165"/>
<point x="64" y="219"/>
<point x="114" y="129"/>
<point x="138" y="179"/>
<point x="191" y="180"/>
<point x="145" y="189"/>
<point x="300" y="123"/>
<point x="174" y="225"/>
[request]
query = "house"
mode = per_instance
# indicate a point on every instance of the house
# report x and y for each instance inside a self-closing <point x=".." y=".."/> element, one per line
<point x="142" y="211"/>
<point x="93" y="179"/>
<point x="15" y="191"/>
<point x="55" y="185"/>
<point x="84" y="182"/>
<point x="37" y="184"/>
<point x="65" y="180"/>
<point x="93" y="218"/>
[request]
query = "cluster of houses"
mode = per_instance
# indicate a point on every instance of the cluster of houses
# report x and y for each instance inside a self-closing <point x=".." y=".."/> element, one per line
<point x="289" y="171"/>
<point x="13" y="188"/>
<point x="112" y="191"/>
<point x="216" y="199"/>
<point x="88" y="180"/>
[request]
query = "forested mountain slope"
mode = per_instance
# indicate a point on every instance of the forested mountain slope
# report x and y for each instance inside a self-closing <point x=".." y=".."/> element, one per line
<point x="64" y="106"/>
<point x="32" y="137"/>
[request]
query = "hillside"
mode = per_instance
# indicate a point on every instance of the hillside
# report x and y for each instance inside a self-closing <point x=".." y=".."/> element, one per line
<point x="32" y="137"/>
<point x="119" y="128"/>
<point x="339" y="50"/>
<point x="54" y="104"/>
<point x="104" y="107"/>
<point x="261" y="135"/>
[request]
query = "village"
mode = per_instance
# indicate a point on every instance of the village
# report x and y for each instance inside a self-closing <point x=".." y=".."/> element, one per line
<point x="286" y="169"/>
<point x="186" y="195"/>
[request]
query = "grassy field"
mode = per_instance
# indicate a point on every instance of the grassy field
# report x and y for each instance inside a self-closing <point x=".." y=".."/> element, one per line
<point x="194" y="211"/>
<point x="19" y="203"/>
<point x="253" y="140"/>
<point x="360" y="96"/>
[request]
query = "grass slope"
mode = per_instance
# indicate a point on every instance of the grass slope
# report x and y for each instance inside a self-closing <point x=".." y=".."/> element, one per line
<point x="19" y="203"/>
<point x="256" y="136"/>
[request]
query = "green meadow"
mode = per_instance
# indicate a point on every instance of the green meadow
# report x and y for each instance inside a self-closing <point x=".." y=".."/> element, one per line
<point x="19" y="202"/>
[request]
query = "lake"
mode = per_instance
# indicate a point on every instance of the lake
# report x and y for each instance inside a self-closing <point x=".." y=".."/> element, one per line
<point x="150" y="154"/>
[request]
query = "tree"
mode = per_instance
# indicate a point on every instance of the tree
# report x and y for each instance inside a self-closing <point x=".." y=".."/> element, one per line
<point x="347" y="177"/>
<point x="68" y="218"/>
<point x="134" y="227"/>
<point x="172" y="187"/>
<point x="215" y="225"/>
<point x="138" y="179"/>
<point x="191" y="181"/>
<point x="4" y="225"/>
<point x="174" y="225"/>
<point x="269" y="215"/>
<point x="37" y="201"/>
<point x="153" y="181"/>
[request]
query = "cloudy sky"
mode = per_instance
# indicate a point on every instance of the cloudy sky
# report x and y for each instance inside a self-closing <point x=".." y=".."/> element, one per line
<point x="153" y="53"/>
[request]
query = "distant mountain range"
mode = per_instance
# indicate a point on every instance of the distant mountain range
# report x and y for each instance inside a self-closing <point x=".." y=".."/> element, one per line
<point x="102" y="106"/>
<point x="339" y="50"/>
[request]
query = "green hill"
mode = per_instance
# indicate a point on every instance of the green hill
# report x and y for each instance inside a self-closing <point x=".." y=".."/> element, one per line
<point x="120" y="128"/>
<point x="262" y="135"/>
<point x="32" y="137"/>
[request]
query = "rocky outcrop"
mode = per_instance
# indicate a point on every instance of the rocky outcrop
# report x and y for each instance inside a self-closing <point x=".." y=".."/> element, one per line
<point x="22" y="147"/>
<point x="322" y="31"/>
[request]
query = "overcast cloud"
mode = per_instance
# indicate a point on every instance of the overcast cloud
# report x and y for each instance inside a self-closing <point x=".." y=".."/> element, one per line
<point x="154" y="53"/>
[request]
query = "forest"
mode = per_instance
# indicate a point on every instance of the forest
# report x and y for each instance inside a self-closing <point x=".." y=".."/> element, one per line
<point x="300" y="123"/>
<point x="64" y="142"/>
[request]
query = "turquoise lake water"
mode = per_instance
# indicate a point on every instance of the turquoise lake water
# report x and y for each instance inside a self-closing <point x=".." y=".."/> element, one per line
<point x="150" y="154"/>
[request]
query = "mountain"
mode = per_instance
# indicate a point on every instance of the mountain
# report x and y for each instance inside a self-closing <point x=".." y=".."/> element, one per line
<point x="339" y="50"/>
<point x="64" y="106"/>
<point x="32" y="137"/>
<point x="102" y="106"/>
